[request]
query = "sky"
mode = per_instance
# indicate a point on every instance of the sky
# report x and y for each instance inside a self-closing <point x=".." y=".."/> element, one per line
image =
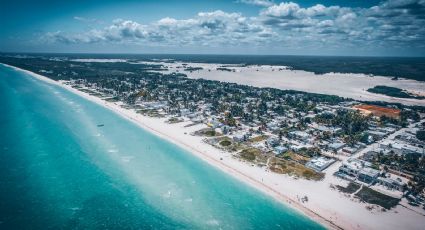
<point x="309" y="27"/>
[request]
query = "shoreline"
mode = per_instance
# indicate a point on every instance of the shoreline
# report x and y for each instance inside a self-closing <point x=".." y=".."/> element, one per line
<point x="327" y="207"/>
<point x="289" y="202"/>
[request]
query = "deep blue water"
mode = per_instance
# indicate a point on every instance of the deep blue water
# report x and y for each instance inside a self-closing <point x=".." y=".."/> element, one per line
<point x="59" y="170"/>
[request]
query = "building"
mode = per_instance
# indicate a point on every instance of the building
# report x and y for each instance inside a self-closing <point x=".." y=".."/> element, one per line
<point x="376" y="134"/>
<point x="401" y="148"/>
<point x="280" y="149"/>
<point x="272" y="141"/>
<point x="352" y="167"/>
<point x="300" y="135"/>
<point x="319" y="163"/>
<point x="370" y="155"/>
<point x="393" y="182"/>
<point x="335" y="146"/>
<point x="349" y="150"/>
<point x="239" y="137"/>
<point x="368" y="175"/>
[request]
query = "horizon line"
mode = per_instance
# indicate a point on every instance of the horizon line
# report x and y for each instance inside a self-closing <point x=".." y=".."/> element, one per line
<point x="212" y="54"/>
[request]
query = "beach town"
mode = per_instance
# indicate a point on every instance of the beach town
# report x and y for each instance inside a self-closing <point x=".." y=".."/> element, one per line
<point x="200" y="114"/>
<point x="319" y="153"/>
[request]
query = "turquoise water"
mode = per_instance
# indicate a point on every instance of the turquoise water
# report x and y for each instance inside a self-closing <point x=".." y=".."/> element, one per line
<point x="59" y="170"/>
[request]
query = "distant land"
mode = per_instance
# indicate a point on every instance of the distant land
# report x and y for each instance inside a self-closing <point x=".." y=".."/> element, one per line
<point x="400" y="67"/>
<point x="393" y="92"/>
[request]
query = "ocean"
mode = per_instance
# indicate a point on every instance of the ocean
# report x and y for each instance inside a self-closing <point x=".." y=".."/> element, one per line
<point x="60" y="170"/>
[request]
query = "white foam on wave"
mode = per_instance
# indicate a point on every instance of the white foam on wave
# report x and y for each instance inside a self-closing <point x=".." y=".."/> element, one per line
<point x="213" y="222"/>
<point x="167" y="194"/>
<point x="127" y="159"/>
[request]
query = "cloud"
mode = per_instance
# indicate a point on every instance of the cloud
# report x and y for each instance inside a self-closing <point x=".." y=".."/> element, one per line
<point x="257" y="2"/>
<point x="390" y="23"/>
<point x="291" y="10"/>
<point x="92" y="20"/>
<point x="206" y="28"/>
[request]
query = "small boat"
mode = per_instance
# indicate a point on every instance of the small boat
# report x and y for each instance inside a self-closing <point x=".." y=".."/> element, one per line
<point x="100" y="125"/>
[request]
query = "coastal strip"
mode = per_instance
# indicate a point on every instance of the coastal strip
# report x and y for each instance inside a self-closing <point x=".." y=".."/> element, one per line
<point x="194" y="145"/>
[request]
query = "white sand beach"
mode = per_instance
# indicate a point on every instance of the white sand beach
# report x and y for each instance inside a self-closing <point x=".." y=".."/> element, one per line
<point x="325" y="205"/>
<point x="281" y="77"/>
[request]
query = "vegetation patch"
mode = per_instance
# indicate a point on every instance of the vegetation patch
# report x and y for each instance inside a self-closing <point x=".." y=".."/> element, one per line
<point x="225" y="143"/>
<point x="190" y="69"/>
<point x="207" y="132"/>
<point x="290" y="155"/>
<point x="112" y="99"/>
<point x="393" y="92"/>
<point x="174" y="120"/>
<point x="293" y="168"/>
<point x="250" y="154"/>
<point x="373" y="197"/>
<point x="351" y="188"/>
<point x="258" y="138"/>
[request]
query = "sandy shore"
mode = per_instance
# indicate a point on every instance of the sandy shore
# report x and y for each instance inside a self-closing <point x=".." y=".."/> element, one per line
<point x="341" y="84"/>
<point x="327" y="206"/>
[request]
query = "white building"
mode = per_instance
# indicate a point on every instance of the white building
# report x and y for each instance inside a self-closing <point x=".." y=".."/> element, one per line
<point x="319" y="163"/>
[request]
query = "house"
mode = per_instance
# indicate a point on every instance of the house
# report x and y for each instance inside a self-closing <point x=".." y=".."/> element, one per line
<point x="323" y="128"/>
<point x="393" y="182"/>
<point x="214" y="124"/>
<point x="368" y="175"/>
<point x="319" y="163"/>
<point x="400" y="148"/>
<point x="280" y="149"/>
<point x="370" y="155"/>
<point x="300" y="135"/>
<point x="272" y="141"/>
<point x="376" y="134"/>
<point x="352" y="167"/>
<point x="296" y="148"/>
<point x="273" y="126"/>
<point x="239" y="137"/>
<point x="184" y="112"/>
<point x="335" y="146"/>
<point x="349" y="150"/>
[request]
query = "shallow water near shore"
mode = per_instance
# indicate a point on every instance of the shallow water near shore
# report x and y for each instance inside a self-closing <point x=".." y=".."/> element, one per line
<point x="61" y="168"/>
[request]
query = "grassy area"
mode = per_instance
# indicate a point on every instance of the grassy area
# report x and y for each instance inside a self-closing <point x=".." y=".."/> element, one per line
<point x="373" y="197"/>
<point x="174" y="120"/>
<point x="112" y="99"/>
<point x="293" y="168"/>
<point x="250" y="154"/>
<point x="393" y="92"/>
<point x="225" y="143"/>
<point x="207" y="132"/>
<point x="351" y="188"/>
<point x="258" y="138"/>
<point x="290" y="155"/>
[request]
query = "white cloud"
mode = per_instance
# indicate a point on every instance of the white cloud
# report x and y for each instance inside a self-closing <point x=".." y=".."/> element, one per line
<point x="257" y="2"/>
<point x="90" y="20"/>
<point x="291" y="10"/>
<point x="391" y="22"/>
